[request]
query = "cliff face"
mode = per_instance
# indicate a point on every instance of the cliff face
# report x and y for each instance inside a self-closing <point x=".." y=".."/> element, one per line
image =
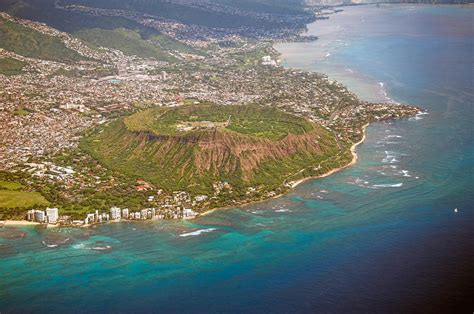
<point x="214" y="152"/>
<point x="217" y="151"/>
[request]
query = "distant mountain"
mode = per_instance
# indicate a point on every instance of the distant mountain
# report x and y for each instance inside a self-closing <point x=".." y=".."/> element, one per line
<point x="258" y="14"/>
<point x="47" y="11"/>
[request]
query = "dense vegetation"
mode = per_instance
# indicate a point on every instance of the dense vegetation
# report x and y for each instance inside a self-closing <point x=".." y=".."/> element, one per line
<point x="30" y="43"/>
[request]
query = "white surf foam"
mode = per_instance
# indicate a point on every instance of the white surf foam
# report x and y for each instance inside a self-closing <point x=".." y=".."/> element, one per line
<point x="49" y="245"/>
<point x="396" y="185"/>
<point x="405" y="173"/>
<point x="101" y="248"/>
<point x="197" y="232"/>
<point x="79" y="246"/>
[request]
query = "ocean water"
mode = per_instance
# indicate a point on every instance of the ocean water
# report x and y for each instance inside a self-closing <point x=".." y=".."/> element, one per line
<point x="381" y="236"/>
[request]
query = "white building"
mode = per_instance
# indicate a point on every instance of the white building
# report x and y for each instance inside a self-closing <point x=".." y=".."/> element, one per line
<point x="90" y="218"/>
<point x="70" y="106"/>
<point x="267" y="60"/>
<point x="115" y="213"/>
<point x="125" y="213"/>
<point x="188" y="213"/>
<point x="200" y="198"/>
<point x="52" y="215"/>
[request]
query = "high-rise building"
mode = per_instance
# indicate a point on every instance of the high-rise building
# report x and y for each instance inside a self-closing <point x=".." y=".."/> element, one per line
<point x="39" y="216"/>
<point x="52" y="215"/>
<point x="115" y="213"/>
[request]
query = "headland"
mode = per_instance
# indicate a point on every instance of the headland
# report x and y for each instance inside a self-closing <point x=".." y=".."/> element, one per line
<point x="220" y="126"/>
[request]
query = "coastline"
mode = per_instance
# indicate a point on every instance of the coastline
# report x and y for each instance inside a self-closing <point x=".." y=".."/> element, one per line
<point x="351" y="163"/>
<point x="241" y="204"/>
<point x="236" y="204"/>
<point x="298" y="182"/>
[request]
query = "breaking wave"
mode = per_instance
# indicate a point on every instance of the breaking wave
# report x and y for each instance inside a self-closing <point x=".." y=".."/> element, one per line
<point x="197" y="232"/>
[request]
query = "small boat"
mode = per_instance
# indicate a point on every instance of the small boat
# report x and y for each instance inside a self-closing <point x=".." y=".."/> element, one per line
<point x="455" y="210"/>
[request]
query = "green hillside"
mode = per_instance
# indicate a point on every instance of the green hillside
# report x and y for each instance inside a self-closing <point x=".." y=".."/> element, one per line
<point x="10" y="66"/>
<point x="125" y="40"/>
<point x="170" y="44"/>
<point x="30" y="43"/>
<point x="191" y="147"/>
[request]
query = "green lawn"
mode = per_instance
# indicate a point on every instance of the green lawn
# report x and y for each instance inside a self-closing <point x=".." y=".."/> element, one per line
<point x="11" y="199"/>
<point x="11" y="196"/>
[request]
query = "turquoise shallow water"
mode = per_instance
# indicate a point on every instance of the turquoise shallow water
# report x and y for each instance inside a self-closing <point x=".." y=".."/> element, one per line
<point x="379" y="236"/>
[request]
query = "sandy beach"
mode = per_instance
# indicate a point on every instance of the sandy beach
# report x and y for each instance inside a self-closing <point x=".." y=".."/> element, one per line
<point x="18" y="223"/>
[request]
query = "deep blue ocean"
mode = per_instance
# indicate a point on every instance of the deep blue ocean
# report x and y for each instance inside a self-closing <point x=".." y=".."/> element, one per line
<point x="381" y="236"/>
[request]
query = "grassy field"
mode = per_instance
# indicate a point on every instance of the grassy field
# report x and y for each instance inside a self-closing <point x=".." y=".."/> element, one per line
<point x="11" y="199"/>
<point x="10" y="66"/>
<point x="8" y="185"/>
<point x="12" y="195"/>
<point x="30" y="43"/>
<point x="261" y="122"/>
<point x="127" y="41"/>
